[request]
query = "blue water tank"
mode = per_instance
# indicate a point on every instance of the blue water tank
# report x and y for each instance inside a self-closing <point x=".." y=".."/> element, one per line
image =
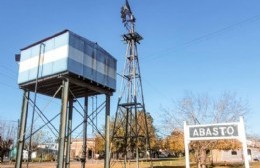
<point x="67" y="52"/>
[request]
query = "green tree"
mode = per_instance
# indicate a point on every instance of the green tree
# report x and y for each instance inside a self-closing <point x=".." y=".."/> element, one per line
<point x="118" y="143"/>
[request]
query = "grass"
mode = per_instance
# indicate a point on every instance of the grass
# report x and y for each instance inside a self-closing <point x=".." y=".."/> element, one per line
<point x="180" y="163"/>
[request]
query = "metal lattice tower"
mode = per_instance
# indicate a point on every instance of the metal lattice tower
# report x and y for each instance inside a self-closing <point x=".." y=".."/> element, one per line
<point x="130" y="126"/>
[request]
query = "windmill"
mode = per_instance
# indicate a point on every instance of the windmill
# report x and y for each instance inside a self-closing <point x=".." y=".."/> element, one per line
<point x="130" y="125"/>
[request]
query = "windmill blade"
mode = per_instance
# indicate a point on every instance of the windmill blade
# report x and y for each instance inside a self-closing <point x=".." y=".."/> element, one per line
<point x="126" y="13"/>
<point x="128" y="6"/>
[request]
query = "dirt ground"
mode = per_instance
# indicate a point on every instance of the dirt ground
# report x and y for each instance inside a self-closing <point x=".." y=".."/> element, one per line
<point x="77" y="164"/>
<point x="53" y="165"/>
<point x="100" y="164"/>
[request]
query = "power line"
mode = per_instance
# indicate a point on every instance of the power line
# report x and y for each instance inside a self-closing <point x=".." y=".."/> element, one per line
<point x="5" y="67"/>
<point x="200" y="39"/>
<point x="8" y="76"/>
<point x="7" y="85"/>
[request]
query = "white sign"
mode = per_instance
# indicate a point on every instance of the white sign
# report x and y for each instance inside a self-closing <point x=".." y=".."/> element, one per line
<point x="215" y="131"/>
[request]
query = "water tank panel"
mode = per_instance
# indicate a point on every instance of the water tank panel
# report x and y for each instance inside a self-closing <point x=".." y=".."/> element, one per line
<point x="67" y="52"/>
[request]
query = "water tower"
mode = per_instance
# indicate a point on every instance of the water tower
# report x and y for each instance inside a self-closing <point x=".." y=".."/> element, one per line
<point x="66" y="66"/>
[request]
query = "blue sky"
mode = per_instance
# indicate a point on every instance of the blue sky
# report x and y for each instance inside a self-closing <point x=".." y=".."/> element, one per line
<point x="199" y="46"/>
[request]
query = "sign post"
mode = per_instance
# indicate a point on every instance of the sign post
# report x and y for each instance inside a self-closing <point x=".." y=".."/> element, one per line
<point x="186" y="143"/>
<point x="234" y="130"/>
<point x="243" y="140"/>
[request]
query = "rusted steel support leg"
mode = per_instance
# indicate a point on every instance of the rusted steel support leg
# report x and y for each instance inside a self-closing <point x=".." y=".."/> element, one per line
<point x="63" y="117"/>
<point x="69" y="133"/>
<point x="107" y="136"/>
<point x="84" y="146"/>
<point x="21" y="137"/>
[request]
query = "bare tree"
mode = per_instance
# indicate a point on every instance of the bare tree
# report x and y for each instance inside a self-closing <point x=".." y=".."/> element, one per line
<point x="202" y="109"/>
<point x="42" y="136"/>
<point x="8" y="132"/>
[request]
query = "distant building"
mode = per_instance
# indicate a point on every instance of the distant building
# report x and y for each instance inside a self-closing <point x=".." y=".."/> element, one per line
<point x="47" y="151"/>
<point x="12" y="154"/>
<point x="50" y="146"/>
<point x="237" y="155"/>
<point x="76" y="148"/>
